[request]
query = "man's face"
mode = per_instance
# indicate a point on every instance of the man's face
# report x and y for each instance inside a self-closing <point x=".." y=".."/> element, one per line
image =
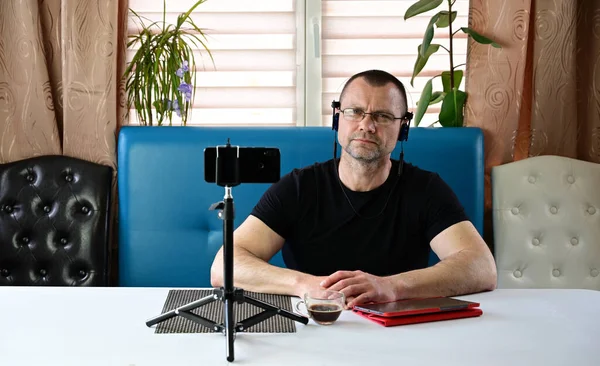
<point x="366" y="140"/>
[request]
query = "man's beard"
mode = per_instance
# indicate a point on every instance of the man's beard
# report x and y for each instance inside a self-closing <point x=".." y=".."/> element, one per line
<point x="363" y="155"/>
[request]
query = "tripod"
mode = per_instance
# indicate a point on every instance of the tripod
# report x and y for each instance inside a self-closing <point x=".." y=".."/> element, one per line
<point x="228" y="294"/>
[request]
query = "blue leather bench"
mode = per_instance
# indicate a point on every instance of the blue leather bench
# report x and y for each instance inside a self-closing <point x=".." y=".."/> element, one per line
<point x="167" y="234"/>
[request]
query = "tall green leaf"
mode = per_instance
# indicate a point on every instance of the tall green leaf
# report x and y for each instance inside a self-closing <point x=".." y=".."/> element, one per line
<point x="458" y="75"/>
<point x="423" y="102"/>
<point x="422" y="61"/>
<point x="479" y="38"/>
<point x="445" y="19"/>
<point x="437" y="97"/>
<point x="421" y="6"/>
<point x="428" y="35"/>
<point x="451" y="114"/>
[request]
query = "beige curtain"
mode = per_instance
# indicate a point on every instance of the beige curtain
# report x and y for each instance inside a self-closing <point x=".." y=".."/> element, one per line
<point x="61" y="90"/>
<point x="540" y="93"/>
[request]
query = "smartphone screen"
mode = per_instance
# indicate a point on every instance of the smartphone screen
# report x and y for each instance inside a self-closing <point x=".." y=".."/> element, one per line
<point x="256" y="164"/>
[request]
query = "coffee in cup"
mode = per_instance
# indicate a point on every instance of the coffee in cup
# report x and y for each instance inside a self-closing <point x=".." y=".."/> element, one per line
<point x="323" y="306"/>
<point x="325" y="313"/>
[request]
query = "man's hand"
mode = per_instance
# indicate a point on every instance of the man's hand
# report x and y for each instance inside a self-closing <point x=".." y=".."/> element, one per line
<point x="360" y="287"/>
<point x="308" y="283"/>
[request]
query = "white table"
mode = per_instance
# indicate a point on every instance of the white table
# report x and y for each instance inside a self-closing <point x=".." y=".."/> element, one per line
<point x="106" y="326"/>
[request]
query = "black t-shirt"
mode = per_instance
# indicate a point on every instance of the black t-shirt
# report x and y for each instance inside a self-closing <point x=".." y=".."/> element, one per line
<point x="391" y="234"/>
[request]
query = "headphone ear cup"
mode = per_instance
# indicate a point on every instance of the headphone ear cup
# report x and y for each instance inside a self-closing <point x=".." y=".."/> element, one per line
<point x="403" y="135"/>
<point x="334" y="124"/>
<point x="336" y="116"/>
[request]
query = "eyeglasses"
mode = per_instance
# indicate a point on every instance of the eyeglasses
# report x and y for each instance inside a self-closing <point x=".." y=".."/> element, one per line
<point x="380" y="118"/>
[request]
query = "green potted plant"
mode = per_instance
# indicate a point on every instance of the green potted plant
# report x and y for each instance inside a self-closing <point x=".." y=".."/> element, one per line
<point x="452" y="98"/>
<point x="161" y="75"/>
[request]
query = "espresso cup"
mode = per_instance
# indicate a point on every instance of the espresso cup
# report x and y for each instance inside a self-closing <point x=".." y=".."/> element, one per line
<point x="323" y="306"/>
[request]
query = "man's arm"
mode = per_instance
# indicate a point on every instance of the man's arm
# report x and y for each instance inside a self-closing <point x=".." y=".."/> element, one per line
<point x="466" y="266"/>
<point x="466" y="263"/>
<point x="254" y="244"/>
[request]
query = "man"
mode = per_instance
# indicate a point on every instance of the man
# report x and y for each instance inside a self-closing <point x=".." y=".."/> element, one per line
<point x="359" y="225"/>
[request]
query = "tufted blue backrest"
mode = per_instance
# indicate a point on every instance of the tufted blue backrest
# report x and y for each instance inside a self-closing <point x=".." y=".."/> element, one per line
<point x="167" y="235"/>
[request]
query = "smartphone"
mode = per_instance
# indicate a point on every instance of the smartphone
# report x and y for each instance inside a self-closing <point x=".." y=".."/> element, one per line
<point x="256" y="164"/>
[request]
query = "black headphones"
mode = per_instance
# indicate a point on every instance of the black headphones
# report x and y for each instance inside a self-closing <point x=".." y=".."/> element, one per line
<point x="402" y="136"/>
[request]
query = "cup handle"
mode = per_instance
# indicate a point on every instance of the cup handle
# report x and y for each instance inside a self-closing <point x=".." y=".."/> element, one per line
<point x="297" y="306"/>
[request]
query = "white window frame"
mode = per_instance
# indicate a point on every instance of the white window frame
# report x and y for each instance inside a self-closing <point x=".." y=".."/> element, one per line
<point x="313" y="88"/>
<point x="301" y="82"/>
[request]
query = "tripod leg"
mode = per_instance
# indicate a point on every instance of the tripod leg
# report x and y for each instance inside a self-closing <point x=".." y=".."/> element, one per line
<point x="201" y="320"/>
<point x="270" y="310"/>
<point x="229" y="328"/>
<point x="255" y="319"/>
<point x="186" y="307"/>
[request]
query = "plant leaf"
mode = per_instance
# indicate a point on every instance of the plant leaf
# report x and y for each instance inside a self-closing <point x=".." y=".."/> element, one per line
<point x="458" y="75"/>
<point x="428" y="35"/>
<point x="423" y="102"/>
<point x="444" y="19"/>
<point x="151" y="75"/>
<point x="421" y="61"/>
<point x="451" y="114"/>
<point x="194" y="37"/>
<point x="437" y="97"/>
<point x="479" y="38"/>
<point x="421" y="6"/>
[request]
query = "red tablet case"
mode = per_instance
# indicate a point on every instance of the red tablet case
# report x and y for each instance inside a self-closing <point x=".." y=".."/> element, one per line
<point x="419" y="311"/>
<point x="420" y="318"/>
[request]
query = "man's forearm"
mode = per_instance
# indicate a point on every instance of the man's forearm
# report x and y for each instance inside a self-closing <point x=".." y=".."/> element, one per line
<point x="254" y="274"/>
<point x="462" y="273"/>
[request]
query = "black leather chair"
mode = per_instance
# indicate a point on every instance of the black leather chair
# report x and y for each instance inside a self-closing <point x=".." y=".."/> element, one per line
<point x="54" y="222"/>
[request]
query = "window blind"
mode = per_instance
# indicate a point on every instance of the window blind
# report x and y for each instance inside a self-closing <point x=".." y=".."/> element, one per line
<point x="254" y="45"/>
<point x="372" y="34"/>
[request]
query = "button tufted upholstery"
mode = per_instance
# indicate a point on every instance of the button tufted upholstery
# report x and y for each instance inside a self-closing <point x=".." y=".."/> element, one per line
<point x="54" y="222"/>
<point x="547" y="223"/>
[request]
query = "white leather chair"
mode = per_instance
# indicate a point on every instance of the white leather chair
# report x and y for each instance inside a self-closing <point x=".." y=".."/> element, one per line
<point x="546" y="220"/>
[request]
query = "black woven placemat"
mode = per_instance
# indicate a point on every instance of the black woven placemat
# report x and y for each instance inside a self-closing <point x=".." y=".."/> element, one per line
<point x="214" y="312"/>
